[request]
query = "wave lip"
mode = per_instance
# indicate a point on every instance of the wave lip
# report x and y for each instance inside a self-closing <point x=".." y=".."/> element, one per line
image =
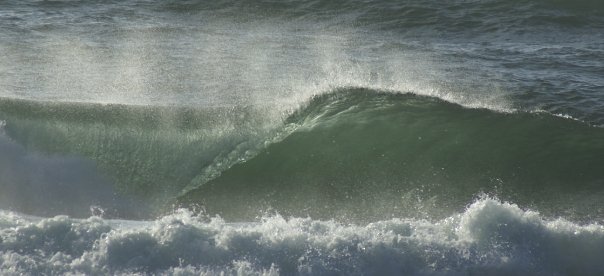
<point x="489" y="237"/>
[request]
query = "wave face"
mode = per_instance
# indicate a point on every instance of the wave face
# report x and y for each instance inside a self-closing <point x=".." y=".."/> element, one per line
<point x="125" y="159"/>
<point x="353" y="153"/>
<point x="488" y="238"/>
<point x="366" y="154"/>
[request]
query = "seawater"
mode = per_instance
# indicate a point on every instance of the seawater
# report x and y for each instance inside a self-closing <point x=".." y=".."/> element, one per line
<point x="489" y="237"/>
<point x="307" y="137"/>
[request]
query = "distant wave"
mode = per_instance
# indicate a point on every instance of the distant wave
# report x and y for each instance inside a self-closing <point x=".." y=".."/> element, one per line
<point x="459" y="16"/>
<point x="456" y="16"/>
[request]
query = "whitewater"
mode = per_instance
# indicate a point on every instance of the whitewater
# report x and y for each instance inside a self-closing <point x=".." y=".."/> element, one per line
<point x="301" y="137"/>
<point x="489" y="237"/>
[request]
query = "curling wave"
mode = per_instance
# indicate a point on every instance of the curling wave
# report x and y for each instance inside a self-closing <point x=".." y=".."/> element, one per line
<point x="363" y="154"/>
<point x="353" y="153"/>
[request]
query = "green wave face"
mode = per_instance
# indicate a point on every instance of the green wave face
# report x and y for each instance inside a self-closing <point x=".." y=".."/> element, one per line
<point x="363" y="155"/>
<point x="147" y="155"/>
<point x="354" y="154"/>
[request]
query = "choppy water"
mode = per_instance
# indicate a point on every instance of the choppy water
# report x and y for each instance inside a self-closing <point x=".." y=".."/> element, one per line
<point x="302" y="137"/>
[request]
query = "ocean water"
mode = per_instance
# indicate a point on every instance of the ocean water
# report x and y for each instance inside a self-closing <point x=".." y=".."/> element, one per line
<point x="317" y="137"/>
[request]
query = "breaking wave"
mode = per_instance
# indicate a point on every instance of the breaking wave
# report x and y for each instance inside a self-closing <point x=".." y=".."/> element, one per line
<point x="490" y="237"/>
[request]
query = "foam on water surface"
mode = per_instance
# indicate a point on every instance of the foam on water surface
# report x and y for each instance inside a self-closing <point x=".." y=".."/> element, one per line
<point x="489" y="237"/>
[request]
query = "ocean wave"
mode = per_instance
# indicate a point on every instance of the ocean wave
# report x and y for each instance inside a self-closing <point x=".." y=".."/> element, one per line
<point x="143" y="153"/>
<point x="363" y="154"/>
<point x="490" y="237"/>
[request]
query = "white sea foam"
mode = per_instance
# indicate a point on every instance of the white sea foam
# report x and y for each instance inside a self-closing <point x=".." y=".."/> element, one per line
<point x="489" y="237"/>
<point x="560" y="115"/>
